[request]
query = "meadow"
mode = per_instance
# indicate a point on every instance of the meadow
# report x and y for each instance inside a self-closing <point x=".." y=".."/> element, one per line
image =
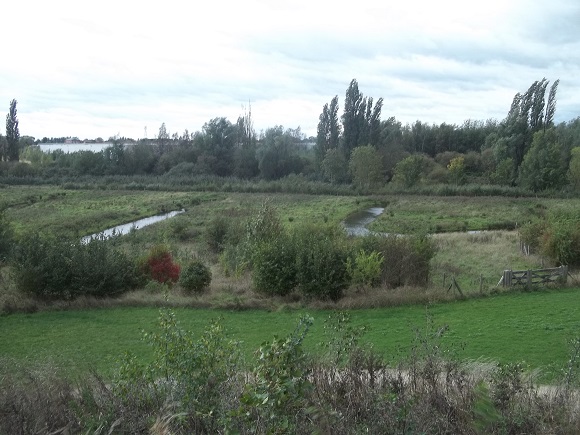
<point x="56" y="348"/>
<point x="531" y="328"/>
<point x="476" y="261"/>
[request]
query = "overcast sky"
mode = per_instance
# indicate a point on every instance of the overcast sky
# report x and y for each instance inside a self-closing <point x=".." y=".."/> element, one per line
<point x="104" y="67"/>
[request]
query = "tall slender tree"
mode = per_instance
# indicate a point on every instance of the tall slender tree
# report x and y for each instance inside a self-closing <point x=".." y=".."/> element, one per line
<point x="328" y="132"/>
<point x="360" y="121"/>
<point x="162" y="139"/>
<point x="551" y="106"/>
<point x="354" y="104"/>
<point x="528" y="114"/>
<point x="12" y="134"/>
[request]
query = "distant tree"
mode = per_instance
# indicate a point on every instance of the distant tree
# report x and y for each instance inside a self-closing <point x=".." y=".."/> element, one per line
<point x="543" y="167"/>
<point x="528" y="114"/>
<point x="244" y="155"/>
<point x="12" y="133"/>
<point x="409" y="170"/>
<point x="551" y="106"/>
<point x="3" y="148"/>
<point x="420" y="138"/>
<point x="26" y="141"/>
<point x="366" y="166"/>
<point x="245" y="129"/>
<point x="360" y="120"/>
<point x="162" y="139"/>
<point x="456" y="170"/>
<point x="504" y="172"/>
<point x="334" y="166"/>
<point x="574" y="169"/>
<point x="277" y="154"/>
<point x="139" y="159"/>
<point x="216" y="144"/>
<point x="328" y="132"/>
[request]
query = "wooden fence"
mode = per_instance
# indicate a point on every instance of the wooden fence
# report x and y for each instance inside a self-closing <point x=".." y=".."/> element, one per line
<point x="530" y="277"/>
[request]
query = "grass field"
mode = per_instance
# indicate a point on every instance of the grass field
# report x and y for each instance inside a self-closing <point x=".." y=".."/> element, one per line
<point x="411" y="214"/>
<point x="533" y="328"/>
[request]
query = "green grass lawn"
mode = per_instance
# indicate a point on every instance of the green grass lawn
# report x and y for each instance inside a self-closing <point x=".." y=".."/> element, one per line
<point x="533" y="328"/>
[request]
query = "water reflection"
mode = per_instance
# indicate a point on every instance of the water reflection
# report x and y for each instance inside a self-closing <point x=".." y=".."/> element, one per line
<point x="119" y="230"/>
<point x="355" y="224"/>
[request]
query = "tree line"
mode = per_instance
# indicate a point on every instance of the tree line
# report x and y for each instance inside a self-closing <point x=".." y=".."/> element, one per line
<point x="525" y="149"/>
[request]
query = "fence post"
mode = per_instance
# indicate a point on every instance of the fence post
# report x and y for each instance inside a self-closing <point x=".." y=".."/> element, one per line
<point x="563" y="274"/>
<point x="507" y="278"/>
<point x="529" y="279"/>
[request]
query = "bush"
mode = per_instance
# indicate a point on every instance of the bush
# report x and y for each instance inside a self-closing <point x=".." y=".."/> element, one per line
<point x="406" y="259"/>
<point x="159" y="266"/>
<point x="264" y="226"/>
<point x="277" y="398"/>
<point x="321" y="258"/>
<point x="194" y="376"/>
<point x="561" y="241"/>
<point x="274" y="267"/>
<point x="531" y="233"/>
<point x="6" y="237"/>
<point x="195" y="276"/>
<point x="55" y="268"/>
<point x="365" y="269"/>
<point x="216" y="234"/>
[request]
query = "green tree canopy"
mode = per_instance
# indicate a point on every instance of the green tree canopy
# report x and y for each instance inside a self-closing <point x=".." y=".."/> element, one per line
<point x="335" y="166"/>
<point x="409" y="170"/>
<point x="543" y="166"/>
<point x="574" y="169"/>
<point x="328" y="132"/>
<point x="366" y="166"/>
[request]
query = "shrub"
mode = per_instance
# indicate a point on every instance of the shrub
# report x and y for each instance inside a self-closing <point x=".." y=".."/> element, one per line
<point x="531" y="233"/>
<point x="160" y="267"/>
<point x="561" y="241"/>
<point x="264" y="226"/>
<point x="56" y="268"/>
<point x="365" y="269"/>
<point x="277" y="398"/>
<point x="274" y="267"/>
<point x="195" y="276"/>
<point x="195" y="376"/>
<point x="321" y="258"/>
<point x="406" y="259"/>
<point x="6" y="237"/>
<point x="241" y="246"/>
<point x="216" y="234"/>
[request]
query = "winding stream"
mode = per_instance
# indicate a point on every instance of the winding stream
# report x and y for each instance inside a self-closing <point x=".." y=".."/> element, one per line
<point x="355" y="224"/>
<point x="120" y="230"/>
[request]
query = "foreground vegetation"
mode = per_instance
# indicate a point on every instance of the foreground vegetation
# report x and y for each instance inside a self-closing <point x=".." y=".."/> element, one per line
<point x="198" y="382"/>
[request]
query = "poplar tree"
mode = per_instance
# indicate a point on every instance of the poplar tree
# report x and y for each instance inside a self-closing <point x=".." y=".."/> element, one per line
<point x="12" y="134"/>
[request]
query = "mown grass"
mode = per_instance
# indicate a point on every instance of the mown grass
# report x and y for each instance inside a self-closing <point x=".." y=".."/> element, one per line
<point x="533" y="328"/>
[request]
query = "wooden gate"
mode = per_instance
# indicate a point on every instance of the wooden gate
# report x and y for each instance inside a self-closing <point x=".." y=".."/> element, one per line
<point x="530" y="277"/>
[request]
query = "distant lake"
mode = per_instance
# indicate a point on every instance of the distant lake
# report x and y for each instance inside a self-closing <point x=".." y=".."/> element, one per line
<point x="74" y="147"/>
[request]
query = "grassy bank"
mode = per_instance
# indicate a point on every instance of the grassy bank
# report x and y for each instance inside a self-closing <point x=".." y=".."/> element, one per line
<point x="533" y="328"/>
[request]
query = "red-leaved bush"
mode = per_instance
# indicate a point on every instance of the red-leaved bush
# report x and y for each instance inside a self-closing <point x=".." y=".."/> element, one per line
<point x="160" y="267"/>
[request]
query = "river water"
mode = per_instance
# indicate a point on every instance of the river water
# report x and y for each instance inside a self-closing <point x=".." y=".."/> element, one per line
<point x="119" y="230"/>
<point x="355" y="224"/>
